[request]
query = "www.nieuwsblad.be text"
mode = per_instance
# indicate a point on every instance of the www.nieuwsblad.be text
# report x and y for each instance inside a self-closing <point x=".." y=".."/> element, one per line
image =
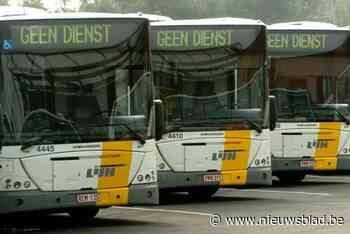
<point x="270" y="220"/>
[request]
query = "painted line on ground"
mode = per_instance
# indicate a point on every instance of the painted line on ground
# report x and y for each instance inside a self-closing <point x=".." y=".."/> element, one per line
<point x="314" y="176"/>
<point x="278" y="191"/>
<point x="163" y="210"/>
<point x="333" y="177"/>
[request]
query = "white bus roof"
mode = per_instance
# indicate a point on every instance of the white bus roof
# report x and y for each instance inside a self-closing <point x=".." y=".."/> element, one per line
<point x="7" y="11"/>
<point x="78" y="15"/>
<point x="151" y="17"/>
<point x="210" y="22"/>
<point x="305" y="25"/>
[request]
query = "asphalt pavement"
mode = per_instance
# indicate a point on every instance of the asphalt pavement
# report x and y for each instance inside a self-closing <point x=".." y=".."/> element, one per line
<point x="321" y="204"/>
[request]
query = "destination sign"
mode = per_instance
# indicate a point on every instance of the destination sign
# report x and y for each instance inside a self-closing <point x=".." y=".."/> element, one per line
<point x="197" y="38"/>
<point x="303" y="43"/>
<point x="68" y="35"/>
<point x="186" y="39"/>
<point x="297" y="40"/>
<point x="63" y="34"/>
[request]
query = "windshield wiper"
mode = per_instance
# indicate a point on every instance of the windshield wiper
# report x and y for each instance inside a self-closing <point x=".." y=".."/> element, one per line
<point x="343" y="117"/>
<point x="133" y="133"/>
<point x="253" y="125"/>
<point x="136" y="135"/>
<point x="46" y="138"/>
<point x="32" y="141"/>
<point x="39" y="139"/>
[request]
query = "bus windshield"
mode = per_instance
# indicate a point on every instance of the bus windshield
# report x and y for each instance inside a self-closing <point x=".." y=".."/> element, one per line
<point x="312" y="87"/>
<point x="70" y="82"/>
<point x="216" y="87"/>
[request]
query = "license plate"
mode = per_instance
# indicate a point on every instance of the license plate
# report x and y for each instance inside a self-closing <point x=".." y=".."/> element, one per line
<point x="307" y="164"/>
<point x="88" y="197"/>
<point x="211" y="178"/>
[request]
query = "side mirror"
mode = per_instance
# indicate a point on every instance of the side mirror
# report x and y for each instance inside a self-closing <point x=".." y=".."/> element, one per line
<point x="159" y="118"/>
<point x="273" y="112"/>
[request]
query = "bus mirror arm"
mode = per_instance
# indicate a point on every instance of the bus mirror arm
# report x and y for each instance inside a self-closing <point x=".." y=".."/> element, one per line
<point x="159" y="118"/>
<point x="273" y="112"/>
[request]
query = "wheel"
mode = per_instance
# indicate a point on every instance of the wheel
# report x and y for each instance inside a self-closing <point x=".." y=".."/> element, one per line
<point x="85" y="213"/>
<point x="291" y="178"/>
<point x="202" y="193"/>
<point x="165" y="196"/>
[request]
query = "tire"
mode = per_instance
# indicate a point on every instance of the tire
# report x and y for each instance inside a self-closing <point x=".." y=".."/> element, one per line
<point x="291" y="178"/>
<point x="202" y="193"/>
<point x="83" y="214"/>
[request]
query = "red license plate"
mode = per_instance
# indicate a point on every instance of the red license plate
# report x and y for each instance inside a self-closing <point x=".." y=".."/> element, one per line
<point x="212" y="178"/>
<point x="87" y="197"/>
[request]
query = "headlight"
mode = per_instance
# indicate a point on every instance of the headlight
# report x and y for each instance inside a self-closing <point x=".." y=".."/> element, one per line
<point x="257" y="162"/>
<point x="140" y="178"/>
<point x="27" y="184"/>
<point x="17" y="185"/>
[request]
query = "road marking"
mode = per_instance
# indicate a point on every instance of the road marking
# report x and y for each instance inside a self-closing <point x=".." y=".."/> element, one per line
<point x="278" y="191"/>
<point x="345" y="177"/>
<point x="314" y="176"/>
<point x="163" y="210"/>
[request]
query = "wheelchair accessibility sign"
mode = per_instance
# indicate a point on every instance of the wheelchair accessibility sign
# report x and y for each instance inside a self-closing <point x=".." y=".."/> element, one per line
<point x="7" y="45"/>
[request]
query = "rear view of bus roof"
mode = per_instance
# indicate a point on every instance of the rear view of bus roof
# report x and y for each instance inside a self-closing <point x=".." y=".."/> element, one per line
<point x="305" y="25"/>
<point x="210" y="21"/>
<point x="80" y="15"/>
<point x="150" y="17"/>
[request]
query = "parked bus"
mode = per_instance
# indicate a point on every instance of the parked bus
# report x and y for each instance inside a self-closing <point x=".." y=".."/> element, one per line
<point x="77" y="114"/>
<point x="310" y="78"/>
<point x="210" y="76"/>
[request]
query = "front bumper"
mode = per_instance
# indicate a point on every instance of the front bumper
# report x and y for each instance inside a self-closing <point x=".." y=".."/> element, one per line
<point x="318" y="164"/>
<point x="23" y="201"/>
<point x="259" y="176"/>
<point x="178" y="180"/>
<point x="343" y="163"/>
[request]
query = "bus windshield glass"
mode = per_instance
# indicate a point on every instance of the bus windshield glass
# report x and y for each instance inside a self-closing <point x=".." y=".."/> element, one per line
<point x="311" y="80"/>
<point x="210" y="78"/>
<point x="72" y="81"/>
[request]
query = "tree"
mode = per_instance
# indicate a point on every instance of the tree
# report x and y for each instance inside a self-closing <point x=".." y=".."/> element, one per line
<point x="33" y="3"/>
<point x="269" y="11"/>
<point x="4" y="2"/>
<point x="99" y="5"/>
<point x="65" y="6"/>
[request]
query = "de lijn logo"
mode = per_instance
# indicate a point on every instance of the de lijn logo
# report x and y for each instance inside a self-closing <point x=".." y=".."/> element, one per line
<point x="7" y="45"/>
<point x="317" y="144"/>
<point x="98" y="171"/>
<point x="224" y="155"/>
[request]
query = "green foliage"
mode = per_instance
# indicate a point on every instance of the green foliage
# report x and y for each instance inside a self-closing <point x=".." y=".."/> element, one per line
<point x="33" y="3"/>
<point x="4" y="2"/>
<point x="269" y="11"/>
